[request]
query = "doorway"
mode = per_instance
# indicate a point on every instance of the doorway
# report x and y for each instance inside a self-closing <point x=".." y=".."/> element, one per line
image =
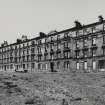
<point x="23" y="66"/>
<point x="52" y="66"/>
<point x="5" y="67"/>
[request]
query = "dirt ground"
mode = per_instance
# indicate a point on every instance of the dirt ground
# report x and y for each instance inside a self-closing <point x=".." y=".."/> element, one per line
<point x="52" y="88"/>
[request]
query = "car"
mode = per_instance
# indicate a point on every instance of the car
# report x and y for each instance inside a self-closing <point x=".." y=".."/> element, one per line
<point x="21" y="70"/>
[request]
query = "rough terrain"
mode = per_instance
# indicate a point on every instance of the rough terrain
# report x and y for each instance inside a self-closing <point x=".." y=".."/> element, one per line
<point x="52" y="88"/>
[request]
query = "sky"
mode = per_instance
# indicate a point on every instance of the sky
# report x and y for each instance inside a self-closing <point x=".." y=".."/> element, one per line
<point x="29" y="17"/>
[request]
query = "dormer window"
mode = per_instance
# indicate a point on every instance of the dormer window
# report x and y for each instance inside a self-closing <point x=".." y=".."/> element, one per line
<point x="51" y="39"/>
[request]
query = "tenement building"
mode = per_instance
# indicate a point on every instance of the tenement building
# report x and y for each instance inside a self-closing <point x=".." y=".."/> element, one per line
<point x="78" y="49"/>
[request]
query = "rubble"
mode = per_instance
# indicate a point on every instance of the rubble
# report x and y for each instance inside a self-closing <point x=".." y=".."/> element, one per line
<point x="52" y="89"/>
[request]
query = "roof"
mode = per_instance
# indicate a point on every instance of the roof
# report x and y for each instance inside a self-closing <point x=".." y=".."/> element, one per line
<point x="63" y="31"/>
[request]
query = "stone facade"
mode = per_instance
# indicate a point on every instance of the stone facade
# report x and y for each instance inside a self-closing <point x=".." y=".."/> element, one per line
<point x="78" y="49"/>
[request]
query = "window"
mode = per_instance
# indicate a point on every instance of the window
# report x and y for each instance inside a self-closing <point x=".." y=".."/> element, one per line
<point x="32" y="50"/>
<point x="103" y="51"/>
<point x="85" y="65"/>
<point x="11" y="66"/>
<point x="104" y="39"/>
<point x="27" y="65"/>
<point x="52" y="56"/>
<point x="65" y="44"/>
<point x="77" y="44"/>
<point x="23" y="52"/>
<point x="93" y="52"/>
<point x="93" y="41"/>
<point x="85" y="42"/>
<point x="87" y="31"/>
<point x="32" y="57"/>
<point x="58" y="45"/>
<point x="39" y="66"/>
<point x="33" y="65"/>
<point x="58" y="65"/>
<point x="85" y="52"/>
<point x="99" y="28"/>
<point x="46" y="66"/>
<point x="58" y="55"/>
<point x="51" y="39"/>
<point x="39" y="58"/>
<point x="77" y="65"/>
<point x="66" y="64"/>
<point x="27" y="57"/>
<point x="51" y="45"/>
<point x="94" y="65"/>
<point x="46" y="56"/>
<point x="27" y="51"/>
<point x="19" y="59"/>
<point x="77" y="54"/>
<point x="23" y="45"/>
<point x="39" y="49"/>
<point x="23" y="58"/>
<point x="58" y="37"/>
<point x="66" y="35"/>
<point x="39" y="42"/>
<point x="32" y="43"/>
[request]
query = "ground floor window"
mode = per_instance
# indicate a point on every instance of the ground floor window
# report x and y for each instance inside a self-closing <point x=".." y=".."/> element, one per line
<point x="7" y="66"/>
<point x="94" y="65"/>
<point x="85" y="65"/>
<point x="77" y="65"/>
<point x="19" y="66"/>
<point x="66" y="64"/>
<point x="46" y="66"/>
<point x="39" y="66"/>
<point x="11" y="66"/>
<point x="58" y="65"/>
<point x="27" y="65"/>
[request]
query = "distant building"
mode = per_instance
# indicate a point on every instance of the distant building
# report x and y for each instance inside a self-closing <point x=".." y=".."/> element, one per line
<point x="78" y="49"/>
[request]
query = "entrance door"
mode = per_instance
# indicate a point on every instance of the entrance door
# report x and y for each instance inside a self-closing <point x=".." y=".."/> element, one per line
<point x="5" y="67"/>
<point x="23" y="66"/>
<point x="52" y="66"/>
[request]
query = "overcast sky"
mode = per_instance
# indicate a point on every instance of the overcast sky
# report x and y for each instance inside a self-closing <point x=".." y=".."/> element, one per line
<point x="29" y="17"/>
